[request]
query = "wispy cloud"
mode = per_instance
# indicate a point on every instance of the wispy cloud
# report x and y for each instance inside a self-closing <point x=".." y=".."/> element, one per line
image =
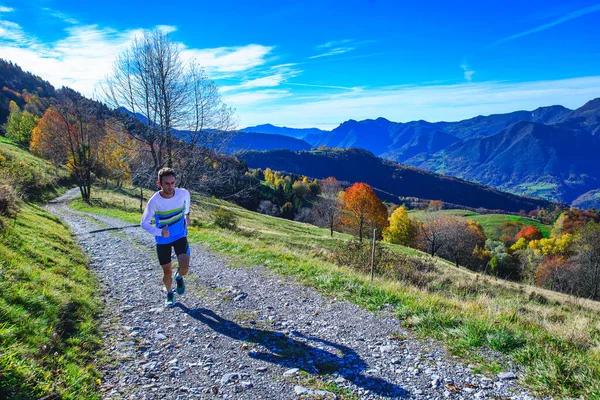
<point x="230" y="59"/>
<point x="254" y="97"/>
<point x="265" y="81"/>
<point x="62" y="16"/>
<point x="4" y="9"/>
<point x="334" y="52"/>
<point x="85" y="55"/>
<point x="564" y="18"/>
<point x="430" y="102"/>
<point x="467" y="72"/>
<point x="334" y="43"/>
<point x="337" y="47"/>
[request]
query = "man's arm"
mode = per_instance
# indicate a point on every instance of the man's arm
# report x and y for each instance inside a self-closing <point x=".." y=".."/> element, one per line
<point x="188" y="201"/>
<point x="147" y="220"/>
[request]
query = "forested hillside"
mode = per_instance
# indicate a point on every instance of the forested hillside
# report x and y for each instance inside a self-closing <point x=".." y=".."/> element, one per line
<point x="393" y="179"/>
<point x="30" y="92"/>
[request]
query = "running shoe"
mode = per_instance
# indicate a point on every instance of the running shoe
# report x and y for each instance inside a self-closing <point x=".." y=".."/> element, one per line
<point x="170" y="301"/>
<point x="180" y="285"/>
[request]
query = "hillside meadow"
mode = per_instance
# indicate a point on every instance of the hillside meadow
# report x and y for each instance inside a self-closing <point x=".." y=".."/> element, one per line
<point x="488" y="222"/>
<point x="554" y="337"/>
<point x="49" y="339"/>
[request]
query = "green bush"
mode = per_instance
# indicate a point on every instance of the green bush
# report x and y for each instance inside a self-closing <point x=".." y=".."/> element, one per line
<point x="225" y="218"/>
<point x="9" y="202"/>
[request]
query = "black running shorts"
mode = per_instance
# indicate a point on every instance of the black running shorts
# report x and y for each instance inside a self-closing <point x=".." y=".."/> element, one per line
<point x="181" y="246"/>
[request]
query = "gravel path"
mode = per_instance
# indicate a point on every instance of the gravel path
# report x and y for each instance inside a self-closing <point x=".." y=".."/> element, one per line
<point x="246" y="333"/>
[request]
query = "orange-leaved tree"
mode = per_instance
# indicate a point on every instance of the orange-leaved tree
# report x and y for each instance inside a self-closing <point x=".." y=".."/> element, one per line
<point x="48" y="140"/>
<point x="529" y="233"/>
<point x="70" y="131"/>
<point x="363" y="209"/>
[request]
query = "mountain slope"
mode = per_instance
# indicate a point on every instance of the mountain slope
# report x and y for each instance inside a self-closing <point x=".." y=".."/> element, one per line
<point x="357" y="165"/>
<point x="396" y="141"/>
<point x="262" y="141"/>
<point x="524" y="154"/>
<point x="298" y="133"/>
<point x="27" y="90"/>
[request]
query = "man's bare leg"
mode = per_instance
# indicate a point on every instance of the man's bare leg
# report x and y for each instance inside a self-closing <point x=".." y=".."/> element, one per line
<point x="184" y="264"/>
<point x="168" y="276"/>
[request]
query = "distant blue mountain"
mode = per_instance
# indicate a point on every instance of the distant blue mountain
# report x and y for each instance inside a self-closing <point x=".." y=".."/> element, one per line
<point x="298" y="133"/>
<point x="263" y="141"/>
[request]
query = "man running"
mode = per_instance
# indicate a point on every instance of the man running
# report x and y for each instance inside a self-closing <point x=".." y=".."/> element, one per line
<point x="170" y="208"/>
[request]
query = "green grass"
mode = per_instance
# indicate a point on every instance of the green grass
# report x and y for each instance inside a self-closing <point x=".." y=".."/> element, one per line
<point x="35" y="179"/>
<point x="49" y="337"/>
<point x="554" y="337"/>
<point x="489" y="222"/>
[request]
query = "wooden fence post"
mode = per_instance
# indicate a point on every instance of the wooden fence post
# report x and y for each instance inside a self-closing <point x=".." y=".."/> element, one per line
<point x="373" y="255"/>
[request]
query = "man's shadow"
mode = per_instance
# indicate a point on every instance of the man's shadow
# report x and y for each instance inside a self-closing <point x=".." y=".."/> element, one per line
<point x="291" y="353"/>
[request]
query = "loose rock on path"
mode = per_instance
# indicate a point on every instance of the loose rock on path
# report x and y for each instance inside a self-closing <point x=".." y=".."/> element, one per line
<point x="247" y="333"/>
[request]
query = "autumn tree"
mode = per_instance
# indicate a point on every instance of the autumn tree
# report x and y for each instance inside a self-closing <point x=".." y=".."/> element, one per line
<point x="459" y="239"/>
<point x="529" y="233"/>
<point x="429" y="236"/>
<point x="587" y="247"/>
<point x="300" y="188"/>
<point x="363" y="209"/>
<point x="507" y="232"/>
<point x="70" y="132"/>
<point x="116" y="152"/>
<point x="20" y="124"/>
<point x="327" y="206"/>
<point x="401" y="230"/>
<point x="571" y="220"/>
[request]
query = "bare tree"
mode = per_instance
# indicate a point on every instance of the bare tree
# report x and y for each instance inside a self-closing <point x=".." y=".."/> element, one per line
<point x="588" y="260"/>
<point x="179" y="107"/>
<point x="431" y="237"/>
<point x="459" y="239"/>
<point x="327" y="206"/>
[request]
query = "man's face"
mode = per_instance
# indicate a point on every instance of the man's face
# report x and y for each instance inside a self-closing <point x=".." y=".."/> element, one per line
<point x="167" y="185"/>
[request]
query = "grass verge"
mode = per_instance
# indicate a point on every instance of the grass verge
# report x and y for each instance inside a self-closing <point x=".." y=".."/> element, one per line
<point x="555" y="338"/>
<point x="48" y="332"/>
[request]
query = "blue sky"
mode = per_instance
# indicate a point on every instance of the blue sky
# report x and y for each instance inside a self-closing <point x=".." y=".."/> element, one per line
<point x="319" y="63"/>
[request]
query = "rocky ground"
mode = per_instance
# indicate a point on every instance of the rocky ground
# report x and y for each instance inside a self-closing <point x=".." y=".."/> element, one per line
<point x="245" y="333"/>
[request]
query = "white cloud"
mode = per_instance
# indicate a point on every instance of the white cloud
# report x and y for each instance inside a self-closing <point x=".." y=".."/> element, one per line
<point x="254" y="97"/>
<point x="62" y="16"/>
<point x="564" y="18"/>
<point x="468" y="72"/>
<point x="230" y="59"/>
<point x="4" y="9"/>
<point x="87" y="52"/>
<point x="333" y="52"/>
<point x="265" y="81"/>
<point x="166" y="29"/>
<point x="431" y="103"/>
<point x="334" y="43"/>
<point x="336" y="47"/>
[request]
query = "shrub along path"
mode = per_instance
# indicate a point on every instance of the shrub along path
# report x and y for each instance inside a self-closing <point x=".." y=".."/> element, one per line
<point x="246" y="333"/>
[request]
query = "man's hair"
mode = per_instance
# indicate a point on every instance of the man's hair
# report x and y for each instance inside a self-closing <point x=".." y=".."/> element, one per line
<point x="165" y="172"/>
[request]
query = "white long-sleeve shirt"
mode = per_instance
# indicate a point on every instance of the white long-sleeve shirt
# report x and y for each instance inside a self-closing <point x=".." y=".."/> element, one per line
<point x="168" y="213"/>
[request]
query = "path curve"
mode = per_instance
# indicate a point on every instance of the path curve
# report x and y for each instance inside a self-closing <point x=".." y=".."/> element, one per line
<point x="247" y="333"/>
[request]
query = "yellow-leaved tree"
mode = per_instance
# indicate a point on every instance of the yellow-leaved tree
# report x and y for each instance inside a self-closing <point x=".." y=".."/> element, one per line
<point x="116" y="151"/>
<point x="402" y="229"/>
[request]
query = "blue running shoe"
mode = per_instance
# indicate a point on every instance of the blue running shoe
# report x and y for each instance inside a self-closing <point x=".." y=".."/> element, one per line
<point x="170" y="301"/>
<point x="180" y="285"/>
